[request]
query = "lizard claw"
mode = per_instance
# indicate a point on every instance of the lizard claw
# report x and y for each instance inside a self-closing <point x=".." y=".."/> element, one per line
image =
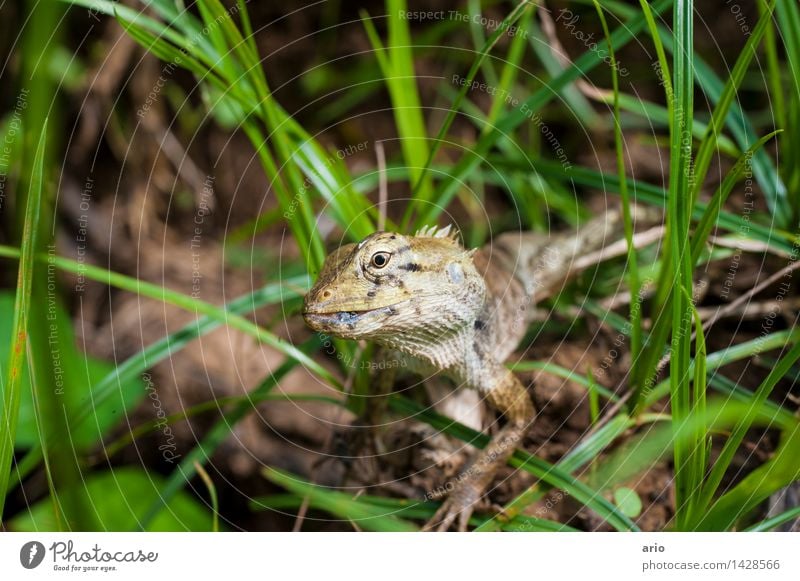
<point x="458" y="506"/>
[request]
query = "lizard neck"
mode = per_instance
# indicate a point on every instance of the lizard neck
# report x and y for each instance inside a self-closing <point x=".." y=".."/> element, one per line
<point x="431" y="345"/>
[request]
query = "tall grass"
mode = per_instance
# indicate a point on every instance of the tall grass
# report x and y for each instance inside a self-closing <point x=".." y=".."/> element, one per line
<point x="12" y="385"/>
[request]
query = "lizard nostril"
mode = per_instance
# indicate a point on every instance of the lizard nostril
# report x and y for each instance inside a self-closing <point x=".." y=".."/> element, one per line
<point x="325" y="295"/>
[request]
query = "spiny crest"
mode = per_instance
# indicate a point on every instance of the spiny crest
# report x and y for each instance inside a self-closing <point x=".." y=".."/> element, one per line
<point x="448" y="232"/>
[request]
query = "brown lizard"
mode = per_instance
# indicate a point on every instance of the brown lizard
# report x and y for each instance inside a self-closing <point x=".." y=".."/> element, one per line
<point x="458" y="311"/>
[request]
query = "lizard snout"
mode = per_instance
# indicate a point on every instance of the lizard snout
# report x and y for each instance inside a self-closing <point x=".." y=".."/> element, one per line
<point x="317" y="300"/>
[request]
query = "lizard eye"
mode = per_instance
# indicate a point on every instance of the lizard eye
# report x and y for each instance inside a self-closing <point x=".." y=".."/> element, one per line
<point x="380" y="259"/>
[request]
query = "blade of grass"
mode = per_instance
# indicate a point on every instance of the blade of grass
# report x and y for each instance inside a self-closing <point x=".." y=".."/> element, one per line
<point x="737" y="435"/>
<point x="578" y="104"/>
<point x="736" y="392"/>
<point x="680" y="268"/>
<point x="586" y="451"/>
<point x="559" y="371"/>
<point x="394" y="507"/>
<point x="697" y="439"/>
<point x="212" y="494"/>
<point x="695" y="177"/>
<point x="709" y="144"/>
<point x="510" y="68"/>
<point x="714" y="207"/>
<point x="788" y="18"/>
<point x="343" y="505"/>
<point x="195" y="306"/>
<point x="632" y="263"/>
<point x="777" y="340"/>
<point x="776" y="521"/>
<point x="530" y="524"/>
<point x="474" y="14"/>
<point x="397" y="65"/>
<point x="743" y="132"/>
<point x="658" y="116"/>
<point x="217" y="404"/>
<point x="782" y="469"/>
<point x="417" y="194"/>
<point x="714" y="362"/>
<point x="19" y="341"/>
<point x="645" y="368"/>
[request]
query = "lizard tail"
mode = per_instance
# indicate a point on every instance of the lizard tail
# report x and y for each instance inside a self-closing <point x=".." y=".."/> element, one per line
<point x="544" y="262"/>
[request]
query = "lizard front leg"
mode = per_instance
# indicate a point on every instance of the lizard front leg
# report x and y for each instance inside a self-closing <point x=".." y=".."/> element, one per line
<point x="509" y="397"/>
<point x="364" y="436"/>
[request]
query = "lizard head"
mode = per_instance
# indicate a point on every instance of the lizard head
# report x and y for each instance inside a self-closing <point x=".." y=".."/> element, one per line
<point x="391" y="286"/>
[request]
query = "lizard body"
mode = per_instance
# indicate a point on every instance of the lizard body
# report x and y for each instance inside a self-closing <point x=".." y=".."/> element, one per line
<point x="449" y="309"/>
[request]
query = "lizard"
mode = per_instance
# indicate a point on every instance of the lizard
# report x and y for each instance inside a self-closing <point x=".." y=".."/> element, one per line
<point x="453" y="310"/>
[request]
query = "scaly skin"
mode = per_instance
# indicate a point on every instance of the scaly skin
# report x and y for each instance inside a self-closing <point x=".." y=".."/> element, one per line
<point x="461" y="312"/>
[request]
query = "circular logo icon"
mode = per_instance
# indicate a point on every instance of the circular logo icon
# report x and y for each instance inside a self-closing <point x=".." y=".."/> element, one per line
<point x="31" y="554"/>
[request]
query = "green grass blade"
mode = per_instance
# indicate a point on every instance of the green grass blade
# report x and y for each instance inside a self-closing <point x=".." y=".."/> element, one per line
<point x="510" y="69"/>
<point x="632" y="263"/>
<point x="579" y="105"/>
<point x="734" y="391"/>
<point x="680" y="268"/>
<point x="693" y="177"/>
<point x="19" y="341"/>
<point x="697" y="439"/>
<point x="743" y="132"/>
<point x="420" y="199"/>
<point x="775" y="521"/>
<point x="212" y="495"/>
<point x="658" y="116"/>
<point x="788" y="18"/>
<point x="664" y="70"/>
<point x="407" y="508"/>
<point x="709" y="144"/>
<point x="782" y="469"/>
<point x="397" y="65"/>
<point x="186" y="303"/>
<point x="559" y="371"/>
<point x="737" y="435"/>
<point x="474" y="14"/>
<point x="343" y="505"/>
<point x="714" y="361"/>
<point x="115" y="446"/>
<point x="709" y="218"/>
<point x="530" y="524"/>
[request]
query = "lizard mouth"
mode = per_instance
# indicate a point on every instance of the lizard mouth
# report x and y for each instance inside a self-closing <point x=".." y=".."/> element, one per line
<point x="345" y="323"/>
